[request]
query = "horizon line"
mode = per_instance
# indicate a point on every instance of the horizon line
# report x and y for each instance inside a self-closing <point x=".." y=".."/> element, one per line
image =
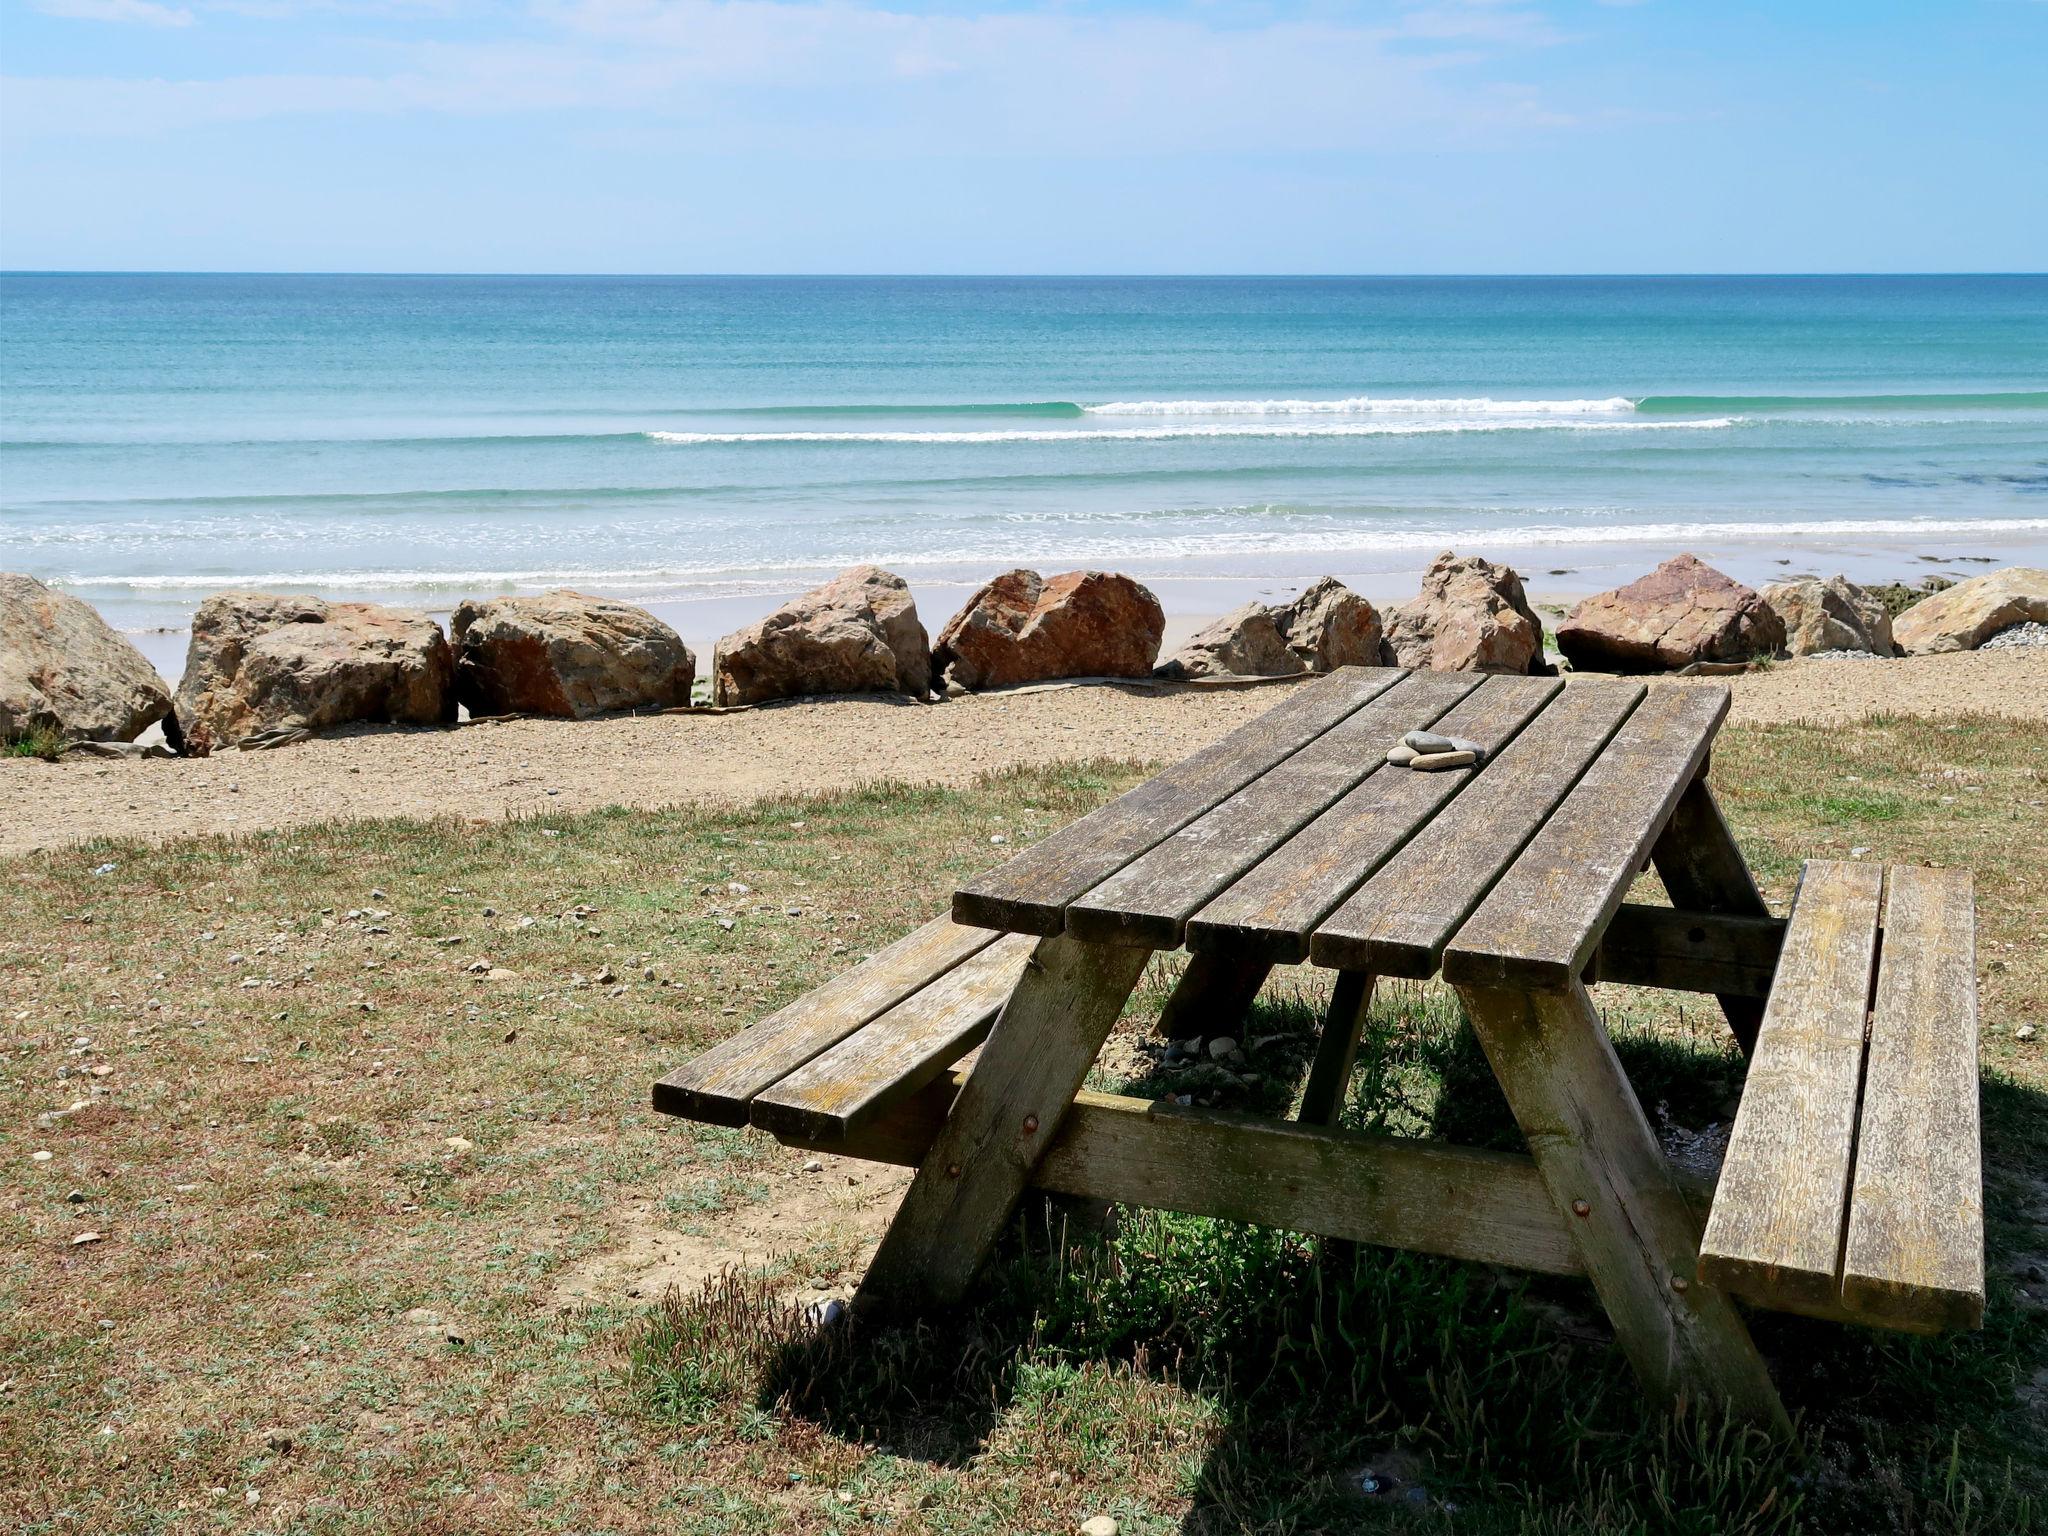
<point x="798" y="276"/>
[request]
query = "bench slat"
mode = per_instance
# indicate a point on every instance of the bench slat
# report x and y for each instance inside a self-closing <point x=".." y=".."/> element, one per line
<point x="1774" y="1234"/>
<point x="1915" y="1252"/>
<point x="880" y="1065"/>
<point x="717" y="1086"/>
<point x="1030" y="893"/>
<point x="1148" y="900"/>
<point x="1271" y="909"/>
<point x="1541" y="923"/>
<point x="1398" y="922"/>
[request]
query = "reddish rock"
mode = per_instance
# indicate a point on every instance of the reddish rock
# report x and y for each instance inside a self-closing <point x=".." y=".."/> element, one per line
<point x="1683" y="612"/>
<point x="64" y="669"/>
<point x="1244" y="643"/>
<point x="258" y="662"/>
<point x="562" y="653"/>
<point x="859" y="633"/>
<point x="1470" y="616"/>
<point x="1022" y="628"/>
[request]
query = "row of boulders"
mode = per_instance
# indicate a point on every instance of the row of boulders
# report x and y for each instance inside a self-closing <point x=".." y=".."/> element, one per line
<point x="265" y="667"/>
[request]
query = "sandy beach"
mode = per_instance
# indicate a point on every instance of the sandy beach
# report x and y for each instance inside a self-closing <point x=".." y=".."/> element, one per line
<point x="532" y="767"/>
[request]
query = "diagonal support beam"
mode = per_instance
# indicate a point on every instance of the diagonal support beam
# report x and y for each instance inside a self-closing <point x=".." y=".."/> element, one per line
<point x="1703" y="870"/>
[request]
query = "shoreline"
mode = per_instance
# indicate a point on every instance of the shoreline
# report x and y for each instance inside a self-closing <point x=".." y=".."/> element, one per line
<point x="1555" y="575"/>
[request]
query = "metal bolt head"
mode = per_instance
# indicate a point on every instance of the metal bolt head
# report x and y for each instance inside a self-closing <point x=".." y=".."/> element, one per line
<point x="1031" y="1125"/>
<point x="952" y="1170"/>
<point x="1678" y="1284"/>
<point x="1580" y="1208"/>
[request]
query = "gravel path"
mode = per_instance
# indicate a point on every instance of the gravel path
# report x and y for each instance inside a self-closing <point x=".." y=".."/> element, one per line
<point x="537" y="766"/>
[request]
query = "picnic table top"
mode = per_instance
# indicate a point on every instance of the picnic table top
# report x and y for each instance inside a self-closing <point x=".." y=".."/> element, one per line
<point x="1293" y="839"/>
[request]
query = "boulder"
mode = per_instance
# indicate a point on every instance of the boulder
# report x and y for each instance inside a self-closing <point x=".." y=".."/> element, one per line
<point x="859" y="633"/>
<point x="1328" y="626"/>
<point x="1022" y="628"/>
<point x="566" y="654"/>
<point x="1243" y="643"/>
<point x="1831" y="615"/>
<point x="259" y="661"/>
<point x="64" y="669"/>
<point x="1964" y="616"/>
<point x="1470" y="616"/>
<point x="1683" y="612"/>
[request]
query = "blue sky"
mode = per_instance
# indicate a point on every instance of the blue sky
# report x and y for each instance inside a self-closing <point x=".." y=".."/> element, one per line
<point x="1005" y="136"/>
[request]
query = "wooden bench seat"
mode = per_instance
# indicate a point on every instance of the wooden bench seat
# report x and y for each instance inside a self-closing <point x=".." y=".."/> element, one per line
<point x="838" y="1058"/>
<point x="1853" y="1185"/>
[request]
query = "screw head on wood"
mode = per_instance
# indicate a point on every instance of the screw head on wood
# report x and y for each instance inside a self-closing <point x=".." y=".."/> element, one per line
<point x="1580" y="1208"/>
<point x="952" y="1170"/>
<point x="1678" y="1284"/>
<point x="1031" y="1125"/>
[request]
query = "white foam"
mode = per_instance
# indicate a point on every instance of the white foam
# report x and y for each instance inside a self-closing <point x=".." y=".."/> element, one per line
<point x="1364" y="405"/>
<point x="1162" y="434"/>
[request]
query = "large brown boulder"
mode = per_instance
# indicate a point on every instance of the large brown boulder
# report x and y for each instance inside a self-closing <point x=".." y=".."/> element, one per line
<point x="1023" y="628"/>
<point x="859" y="633"/>
<point x="1964" y="616"/>
<point x="259" y="661"/>
<point x="64" y="669"/>
<point x="1328" y="626"/>
<point x="1243" y="643"/>
<point x="1682" y="612"/>
<point x="1831" y="615"/>
<point x="1470" y="616"/>
<point x="566" y="654"/>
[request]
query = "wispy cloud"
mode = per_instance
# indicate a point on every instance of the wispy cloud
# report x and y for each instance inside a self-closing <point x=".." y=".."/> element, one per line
<point x="143" y="12"/>
<point x="836" y="77"/>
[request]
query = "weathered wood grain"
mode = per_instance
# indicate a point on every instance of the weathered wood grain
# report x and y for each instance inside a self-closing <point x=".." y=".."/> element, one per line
<point x="1398" y="922"/>
<point x="1776" y="1227"/>
<point x="1703" y="871"/>
<point x="1149" y="900"/>
<point x="1029" y="1069"/>
<point x="1425" y="1196"/>
<point x="1647" y="946"/>
<point x="1543" y="919"/>
<point x="1271" y="909"/>
<point x="1329" y="1075"/>
<point x="1915" y="1251"/>
<point x="718" y="1085"/>
<point x="1635" y="1233"/>
<point x="1030" y="893"/>
<point x="857" y="1080"/>
<point x="1212" y="997"/>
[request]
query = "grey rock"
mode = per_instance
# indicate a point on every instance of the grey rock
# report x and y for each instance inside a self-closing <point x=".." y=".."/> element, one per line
<point x="64" y="668"/>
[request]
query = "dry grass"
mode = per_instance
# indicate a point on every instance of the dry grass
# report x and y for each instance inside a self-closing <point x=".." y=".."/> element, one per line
<point x="305" y="1116"/>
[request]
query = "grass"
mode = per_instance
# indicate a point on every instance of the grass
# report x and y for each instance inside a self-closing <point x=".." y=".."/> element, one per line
<point x="345" y="1184"/>
<point x="43" y="741"/>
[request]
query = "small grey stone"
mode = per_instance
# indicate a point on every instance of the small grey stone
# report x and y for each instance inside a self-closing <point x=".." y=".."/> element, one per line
<point x="1435" y="762"/>
<point x="1222" y="1048"/>
<point x="1401" y="756"/>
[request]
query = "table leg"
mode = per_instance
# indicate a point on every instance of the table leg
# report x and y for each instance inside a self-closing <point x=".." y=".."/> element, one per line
<point x="1029" y="1070"/>
<point x="1703" y="871"/>
<point x="1609" y="1181"/>
<point x="1212" y="996"/>
<point x="1329" y="1076"/>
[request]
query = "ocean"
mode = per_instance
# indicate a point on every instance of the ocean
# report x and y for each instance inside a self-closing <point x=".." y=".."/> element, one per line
<point x="675" y="440"/>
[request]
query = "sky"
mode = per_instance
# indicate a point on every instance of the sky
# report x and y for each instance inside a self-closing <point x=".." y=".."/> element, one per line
<point x="978" y="136"/>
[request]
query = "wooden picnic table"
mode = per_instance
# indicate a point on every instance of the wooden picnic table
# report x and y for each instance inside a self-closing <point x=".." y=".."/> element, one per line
<point x="1294" y="840"/>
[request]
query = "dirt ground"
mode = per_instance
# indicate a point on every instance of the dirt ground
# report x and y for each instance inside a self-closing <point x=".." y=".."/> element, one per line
<point x="534" y="767"/>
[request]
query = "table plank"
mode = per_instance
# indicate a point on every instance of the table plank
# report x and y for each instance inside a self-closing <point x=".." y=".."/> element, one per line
<point x="1149" y="900"/>
<point x="1775" y="1232"/>
<point x="1030" y="893"/>
<point x="1543" y="919"/>
<point x="878" y="1066"/>
<point x="1398" y="922"/>
<point x="1915" y="1251"/>
<point x="718" y="1085"/>
<point x="1272" y="908"/>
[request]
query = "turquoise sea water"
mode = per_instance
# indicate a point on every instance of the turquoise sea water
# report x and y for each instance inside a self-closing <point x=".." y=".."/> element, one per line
<point x="429" y="437"/>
